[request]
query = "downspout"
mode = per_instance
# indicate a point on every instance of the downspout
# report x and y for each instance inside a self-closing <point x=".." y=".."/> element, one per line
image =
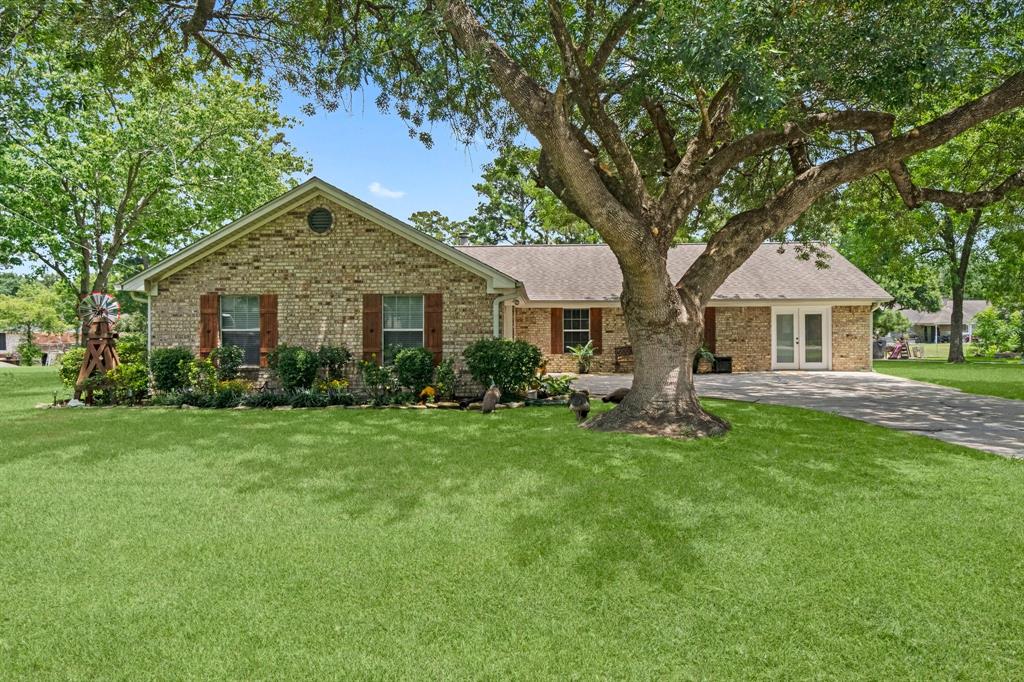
<point x="496" y="313"/>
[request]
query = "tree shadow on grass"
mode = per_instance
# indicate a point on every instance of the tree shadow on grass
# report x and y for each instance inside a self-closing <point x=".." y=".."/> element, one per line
<point x="606" y="504"/>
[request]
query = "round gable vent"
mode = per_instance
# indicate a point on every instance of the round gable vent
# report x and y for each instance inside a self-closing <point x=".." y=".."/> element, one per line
<point x="320" y="220"/>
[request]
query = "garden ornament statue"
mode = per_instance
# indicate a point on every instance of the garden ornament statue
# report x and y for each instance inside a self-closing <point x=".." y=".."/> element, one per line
<point x="101" y="312"/>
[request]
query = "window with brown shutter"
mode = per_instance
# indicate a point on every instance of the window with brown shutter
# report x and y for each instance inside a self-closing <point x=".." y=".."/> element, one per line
<point x="557" y="341"/>
<point x="433" y="325"/>
<point x="268" y="326"/>
<point x="709" y="328"/>
<point x="372" y="318"/>
<point x="595" y="329"/>
<point x="209" y="323"/>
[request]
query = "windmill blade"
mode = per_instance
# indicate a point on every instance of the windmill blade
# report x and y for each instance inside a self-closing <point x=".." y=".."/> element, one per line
<point x="99" y="304"/>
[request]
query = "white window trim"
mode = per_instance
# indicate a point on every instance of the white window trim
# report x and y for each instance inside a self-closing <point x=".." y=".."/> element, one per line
<point x="567" y="329"/>
<point x="220" y="322"/>
<point x="423" y="320"/>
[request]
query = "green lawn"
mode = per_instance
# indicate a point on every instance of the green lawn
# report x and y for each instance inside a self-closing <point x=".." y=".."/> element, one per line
<point x="984" y="377"/>
<point x="175" y="544"/>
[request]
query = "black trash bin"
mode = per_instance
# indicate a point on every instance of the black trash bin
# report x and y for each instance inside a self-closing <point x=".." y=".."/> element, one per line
<point x="723" y="364"/>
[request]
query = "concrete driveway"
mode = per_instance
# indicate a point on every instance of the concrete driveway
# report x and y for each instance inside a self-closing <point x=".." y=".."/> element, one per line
<point x="986" y="423"/>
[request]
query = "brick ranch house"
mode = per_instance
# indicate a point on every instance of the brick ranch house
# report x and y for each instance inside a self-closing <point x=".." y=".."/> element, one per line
<point x="318" y="266"/>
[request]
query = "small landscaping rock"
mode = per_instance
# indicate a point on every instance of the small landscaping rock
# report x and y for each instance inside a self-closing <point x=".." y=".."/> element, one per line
<point x="282" y="407"/>
<point x="241" y="407"/>
<point x="43" y="406"/>
<point x="516" y="405"/>
<point x="189" y="407"/>
<point x="447" y="405"/>
<point x="474" y="406"/>
<point x="75" y="403"/>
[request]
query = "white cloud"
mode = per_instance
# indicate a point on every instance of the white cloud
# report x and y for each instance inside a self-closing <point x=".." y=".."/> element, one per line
<point x="381" y="191"/>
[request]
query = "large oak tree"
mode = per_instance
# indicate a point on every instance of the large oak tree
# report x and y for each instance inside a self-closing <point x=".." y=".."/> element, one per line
<point x="647" y="113"/>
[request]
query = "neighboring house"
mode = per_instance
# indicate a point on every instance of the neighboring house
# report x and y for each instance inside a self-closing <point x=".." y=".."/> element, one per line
<point x="318" y="266"/>
<point x="936" y="327"/>
<point x="9" y="345"/>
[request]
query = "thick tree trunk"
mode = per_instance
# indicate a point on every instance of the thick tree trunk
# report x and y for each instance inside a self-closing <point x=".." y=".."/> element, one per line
<point x="665" y="337"/>
<point x="956" y="325"/>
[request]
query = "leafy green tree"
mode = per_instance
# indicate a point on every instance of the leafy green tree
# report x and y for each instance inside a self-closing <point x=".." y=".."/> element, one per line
<point x="889" y="321"/>
<point x="440" y="226"/>
<point x="97" y="180"/>
<point x="35" y="308"/>
<point x="649" y="115"/>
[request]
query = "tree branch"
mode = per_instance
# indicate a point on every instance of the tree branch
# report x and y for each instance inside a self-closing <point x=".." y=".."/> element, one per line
<point x="913" y="196"/>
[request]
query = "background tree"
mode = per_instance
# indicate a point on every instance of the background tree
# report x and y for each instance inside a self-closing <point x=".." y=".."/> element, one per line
<point x="35" y="307"/>
<point x="889" y="321"/>
<point x="95" y="179"/>
<point x="513" y="208"/>
<point x="646" y="113"/>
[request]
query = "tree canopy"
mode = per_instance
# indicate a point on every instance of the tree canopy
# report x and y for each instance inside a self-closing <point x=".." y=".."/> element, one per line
<point x="96" y="178"/>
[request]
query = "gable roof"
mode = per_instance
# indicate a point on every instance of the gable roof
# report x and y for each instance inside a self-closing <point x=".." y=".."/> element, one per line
<point x="590" y="272"/>
<point x="944" y="315"/>
<point x="496" y="280"/>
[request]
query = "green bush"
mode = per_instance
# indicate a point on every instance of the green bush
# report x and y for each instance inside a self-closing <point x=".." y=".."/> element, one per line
<point x="294" y="366"/>
<point x="332" y="360"/>
<point x="28" y="353"/>
<point x="71" y="365"/>
<point x="202" y="376"/>
<point x="556" y="386"/>
<point x="509" y="364"/>
<point x="266" y="399"/>
<point x="414" y="368"/>
<point x="228" y="361"/>
<point x="231" y="393"/>
<point x="445" y="379"/>
<point x="128" y="382"/>
<point x="379" y="381"/>
<point x="131" y="349"/>
<point x="169" y="367"/>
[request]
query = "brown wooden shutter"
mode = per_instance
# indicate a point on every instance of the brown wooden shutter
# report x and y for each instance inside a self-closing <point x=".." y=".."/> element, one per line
<point x="433" y="325"/>
<point x="268" y="326"/>
<point x="709" y="328"/>
<point x="596" y="329"/>
<point x="557" y="339"/>
<point x="373" y="311"/>
<point x="209" y="323"/>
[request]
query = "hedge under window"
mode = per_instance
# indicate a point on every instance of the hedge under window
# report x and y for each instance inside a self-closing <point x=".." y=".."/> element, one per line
<point x="320" y="220"/>
<point x="240" y="325"/>
<point x="403" y="324"/>
<point x="575" y="327"/>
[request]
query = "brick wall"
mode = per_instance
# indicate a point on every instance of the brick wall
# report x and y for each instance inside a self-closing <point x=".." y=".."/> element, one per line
<point x="534" y="325"/>
<point x="320" y="280"/>
<point x="745" y="334"/>
<point x="851" y="338"/>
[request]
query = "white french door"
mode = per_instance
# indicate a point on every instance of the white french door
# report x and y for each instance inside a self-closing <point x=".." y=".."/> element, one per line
<point x="801" y="338"/>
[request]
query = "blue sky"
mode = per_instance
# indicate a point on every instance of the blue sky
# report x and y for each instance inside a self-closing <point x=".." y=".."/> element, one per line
<point x="369" y="154"/>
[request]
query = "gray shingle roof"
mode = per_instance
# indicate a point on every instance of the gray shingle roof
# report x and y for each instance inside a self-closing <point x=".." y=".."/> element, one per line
<point x="591" y="273"/>
<point x="944" y="315"/>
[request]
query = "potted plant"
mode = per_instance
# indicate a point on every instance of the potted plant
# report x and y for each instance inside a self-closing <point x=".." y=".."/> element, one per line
<point x="705" y="361"/>
<point x="584" y="355"/>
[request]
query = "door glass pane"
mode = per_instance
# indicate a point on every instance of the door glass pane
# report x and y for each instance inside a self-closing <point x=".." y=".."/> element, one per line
<point x="784" y="333"/>
<point x="813" y="349"/>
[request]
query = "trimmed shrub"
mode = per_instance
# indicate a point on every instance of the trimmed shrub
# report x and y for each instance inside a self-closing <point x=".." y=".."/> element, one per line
<point x="378" y="380"/>
<point x="231" y="393"/>
<point x="228" y="361"/>
<point x="131" y="349"/>
<point x="509" y="364"/>
<point x="71" y="365"/>
<point x="202" y="376"/>
<point x="169" y="367"/>
<point x="414" y="368"/>
<point x="445" y="379"/>
<point x="332" y="360"/>
<point x="128" y="382"/>
<point x="294" y="366"/>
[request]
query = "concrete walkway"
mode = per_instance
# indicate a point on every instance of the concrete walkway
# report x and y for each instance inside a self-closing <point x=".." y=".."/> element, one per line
<point x="983" y="422"/>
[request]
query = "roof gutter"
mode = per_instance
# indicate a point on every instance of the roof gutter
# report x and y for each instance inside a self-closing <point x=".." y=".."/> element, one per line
<point x="496" y="312"/>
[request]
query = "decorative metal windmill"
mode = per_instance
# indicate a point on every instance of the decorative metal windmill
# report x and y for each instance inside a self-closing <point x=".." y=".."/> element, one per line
<point x="100" y="311"/>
